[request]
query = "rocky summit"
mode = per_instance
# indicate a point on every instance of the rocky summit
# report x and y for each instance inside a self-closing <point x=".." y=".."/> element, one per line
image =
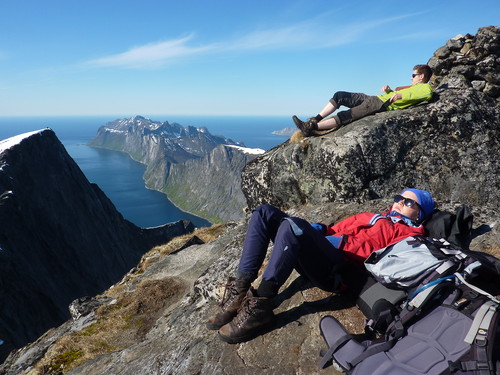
<point x="198" y="171"/>
<point x="467" y="61"/>
<point x="152" y="321"/>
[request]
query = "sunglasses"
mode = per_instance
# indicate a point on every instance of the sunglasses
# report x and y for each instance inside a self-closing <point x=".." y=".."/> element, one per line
<point x="408" y="202"/>
<point x="414" y="75"/>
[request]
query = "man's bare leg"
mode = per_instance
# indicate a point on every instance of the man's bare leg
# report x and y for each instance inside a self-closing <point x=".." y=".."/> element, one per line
<point x="327" y="123"/>
<point x="328" y="110"/>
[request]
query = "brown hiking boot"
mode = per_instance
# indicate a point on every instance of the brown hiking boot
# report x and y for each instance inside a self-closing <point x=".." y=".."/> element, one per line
<point x="254" y="315"/>
<point x="234" y="293"/>
<point x="307" y="127"/>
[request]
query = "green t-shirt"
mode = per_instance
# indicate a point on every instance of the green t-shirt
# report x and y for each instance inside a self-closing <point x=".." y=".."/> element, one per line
<point x="411" y="96"/>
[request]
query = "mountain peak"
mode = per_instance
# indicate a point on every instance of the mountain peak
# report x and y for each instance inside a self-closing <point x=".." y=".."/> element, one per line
<point x="185" y="162"/>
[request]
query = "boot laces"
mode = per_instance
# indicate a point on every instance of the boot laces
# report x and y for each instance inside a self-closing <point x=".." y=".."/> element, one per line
<point x="309" y="124"/>
<point x="230" y="292"/>
<point x="245" y="310"/>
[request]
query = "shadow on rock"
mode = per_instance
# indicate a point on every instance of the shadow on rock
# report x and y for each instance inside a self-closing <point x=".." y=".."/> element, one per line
<point x="330" y="303"/>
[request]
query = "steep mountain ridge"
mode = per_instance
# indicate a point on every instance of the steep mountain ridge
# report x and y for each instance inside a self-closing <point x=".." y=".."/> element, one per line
<point x="183" y="163"/>
<point x="147" y="140"/>
<point x="60" y="237"/>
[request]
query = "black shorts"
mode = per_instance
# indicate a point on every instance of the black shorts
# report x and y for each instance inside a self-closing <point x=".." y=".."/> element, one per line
<point x="360" y="105"/>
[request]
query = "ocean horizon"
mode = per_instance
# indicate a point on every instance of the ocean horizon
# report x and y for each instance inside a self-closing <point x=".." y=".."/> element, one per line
<point x="120" y="177"/>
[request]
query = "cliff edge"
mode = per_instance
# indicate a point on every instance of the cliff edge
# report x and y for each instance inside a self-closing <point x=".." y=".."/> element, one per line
<point x="60" y="237"/>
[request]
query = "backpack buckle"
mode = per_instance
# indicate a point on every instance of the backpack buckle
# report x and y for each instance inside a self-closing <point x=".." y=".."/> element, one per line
<point x="481" y="338"/>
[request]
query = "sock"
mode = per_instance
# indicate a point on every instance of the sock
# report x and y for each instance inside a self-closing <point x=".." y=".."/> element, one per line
<point x="267" y="289"/>
<point x="318" y="117"/>
<point x="243" y="275"/>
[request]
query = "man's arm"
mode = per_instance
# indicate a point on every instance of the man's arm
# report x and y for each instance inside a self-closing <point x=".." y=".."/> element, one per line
<point x="411" y="96"/>
<point x="396" y="96"/>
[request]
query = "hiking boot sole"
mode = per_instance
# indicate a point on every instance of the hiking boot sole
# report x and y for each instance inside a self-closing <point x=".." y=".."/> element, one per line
<point x="300" y="125"/>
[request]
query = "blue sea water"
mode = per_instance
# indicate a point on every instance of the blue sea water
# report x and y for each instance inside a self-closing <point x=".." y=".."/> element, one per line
<point x="120" y="177"/>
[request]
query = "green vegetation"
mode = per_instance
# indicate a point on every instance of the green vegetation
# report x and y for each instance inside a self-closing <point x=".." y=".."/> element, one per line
<point x="177" y="195"/>
<point x="128" y="319"/>
<point x="62" y="361"/>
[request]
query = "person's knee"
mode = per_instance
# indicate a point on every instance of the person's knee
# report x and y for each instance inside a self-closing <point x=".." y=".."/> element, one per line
<point x="338" y="97"/>
<point x="264" y="209"/>
<point x="343" y="118"/>
<point x="285" y="229"/>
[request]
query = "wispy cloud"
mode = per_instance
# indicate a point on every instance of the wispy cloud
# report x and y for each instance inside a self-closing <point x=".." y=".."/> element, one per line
<point x="316" y="33"/>
<point x="417" y="36"/>
<point x="283" y="38"/>
<point x="151" y="55"/>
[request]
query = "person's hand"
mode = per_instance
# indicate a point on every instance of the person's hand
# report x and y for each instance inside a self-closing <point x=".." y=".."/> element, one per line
<point x="395" y="97"/>
<point x="386" y="88"/>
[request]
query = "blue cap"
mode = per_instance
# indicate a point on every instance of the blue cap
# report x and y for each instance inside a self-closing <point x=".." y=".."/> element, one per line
<point x="424" y="200"/>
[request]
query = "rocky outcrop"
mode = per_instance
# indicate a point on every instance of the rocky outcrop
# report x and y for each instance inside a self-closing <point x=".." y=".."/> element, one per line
<point x="189" y="164"/>
<point x="453" y="154"/>
<point x="470" y="62"/>
<point x="449" y="146"/>
<point x="60" y="237"/>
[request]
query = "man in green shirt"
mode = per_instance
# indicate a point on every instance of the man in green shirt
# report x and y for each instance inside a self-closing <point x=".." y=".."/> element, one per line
<point x="361" y="105"/>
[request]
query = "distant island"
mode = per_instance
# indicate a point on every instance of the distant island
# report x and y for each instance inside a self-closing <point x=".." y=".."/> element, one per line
<point x="285" y="131"/>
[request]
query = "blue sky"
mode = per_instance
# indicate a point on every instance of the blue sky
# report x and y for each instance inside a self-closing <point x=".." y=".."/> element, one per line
<point x="209" y="57"/>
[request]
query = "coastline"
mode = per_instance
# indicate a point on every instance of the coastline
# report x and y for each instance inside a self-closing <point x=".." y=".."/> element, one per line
<point x="114" y="177"/>
<point x="124" y="153"/>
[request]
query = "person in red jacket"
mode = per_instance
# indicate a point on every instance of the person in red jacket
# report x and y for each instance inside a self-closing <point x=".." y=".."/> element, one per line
<point x="315" y="250"/>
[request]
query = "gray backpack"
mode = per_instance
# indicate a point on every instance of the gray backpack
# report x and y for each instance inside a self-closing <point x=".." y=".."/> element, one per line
<point x="430" y="318"/>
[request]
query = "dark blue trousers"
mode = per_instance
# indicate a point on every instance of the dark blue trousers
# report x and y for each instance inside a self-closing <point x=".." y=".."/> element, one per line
<point x="297" y="245"/>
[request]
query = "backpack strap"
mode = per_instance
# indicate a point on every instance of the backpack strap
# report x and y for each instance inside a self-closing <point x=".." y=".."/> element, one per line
<point x="480" y="367"/>
<point x="476" y="289"/>
<point x="372" y="350"/>
<point x="479" y="336"/>
<point x="481" y="323"/>
<point x="333" y="348"/>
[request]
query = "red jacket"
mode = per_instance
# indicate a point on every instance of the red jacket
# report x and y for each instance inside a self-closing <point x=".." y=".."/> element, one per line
<point x="363" y="238"/>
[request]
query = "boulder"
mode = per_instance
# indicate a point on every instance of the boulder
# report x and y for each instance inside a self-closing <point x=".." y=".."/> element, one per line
<point x="449" y="147"/>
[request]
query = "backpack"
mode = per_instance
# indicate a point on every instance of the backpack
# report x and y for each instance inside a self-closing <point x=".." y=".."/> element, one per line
<point x="431" y="319"/>
<point x="455" y="228"/>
